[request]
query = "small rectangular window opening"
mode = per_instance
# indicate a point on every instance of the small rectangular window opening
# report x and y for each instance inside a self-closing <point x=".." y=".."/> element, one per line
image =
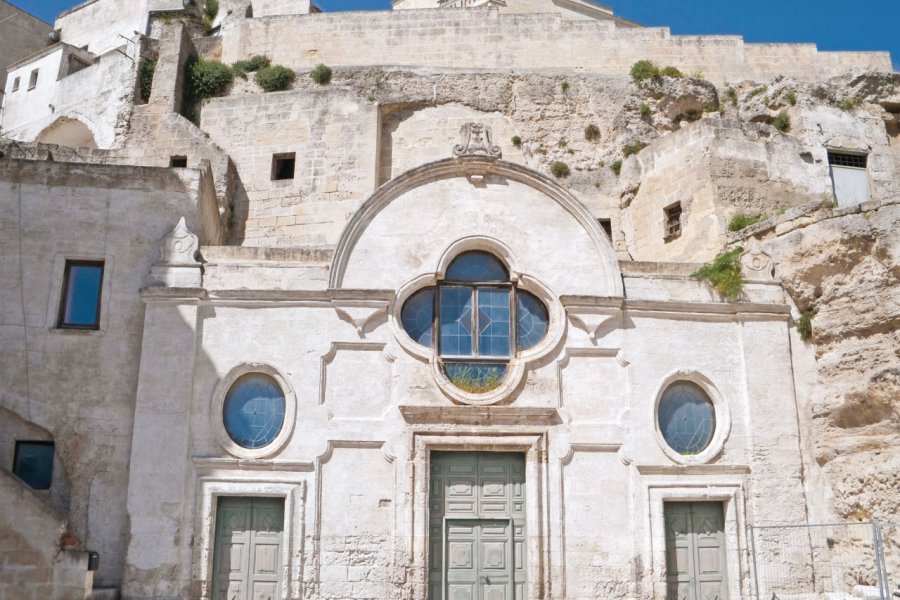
<point x="32" y="82"/>
<point x="179" y="162"/>
<point x="33" y="463"/>
<point x="843" y="159"/>
<point x="283" y="166"/>
<point x="606" y="225"/>
<point x="673" y="221"/>
<point x="16" y="82"/>
<point x="76" y="64"/>
<point x="79" y="307"/>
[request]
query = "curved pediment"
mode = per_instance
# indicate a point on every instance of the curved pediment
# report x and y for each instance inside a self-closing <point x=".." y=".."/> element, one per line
<point x="405" y="228"/>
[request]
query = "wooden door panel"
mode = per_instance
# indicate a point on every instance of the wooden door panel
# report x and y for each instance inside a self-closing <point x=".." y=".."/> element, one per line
<point x="695" y="551"/>
<point x="247" y="562"/>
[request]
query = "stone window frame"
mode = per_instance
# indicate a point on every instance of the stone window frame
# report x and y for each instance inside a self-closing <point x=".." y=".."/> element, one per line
<point x="722" y="412"/>
<point x="520" y="360"/>
<point x="33" y="79"/>
<point x="709" y="488"/>
<point x="277" y="157"/>
<point x="57" y="275"/>
<point x="670" y="224"/>
<point x="217" y="406"/>
<point x="537" y="495"/>
<point x="243" y="484"/>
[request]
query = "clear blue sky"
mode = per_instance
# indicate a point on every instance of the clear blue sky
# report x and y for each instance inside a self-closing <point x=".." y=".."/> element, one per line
<point x="832" y="25"/>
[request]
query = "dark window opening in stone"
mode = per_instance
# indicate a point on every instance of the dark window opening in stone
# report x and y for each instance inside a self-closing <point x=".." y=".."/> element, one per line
<point x="606" y="225"/>
<point x="179" y="162"/>
<point x="79" y="307"/>
<point x="673" y="221"/>
<point x="32" y="83"/>
<point x="283" y="166"/>
<point x="16" y="82"/>
<point x="33" y="463"/>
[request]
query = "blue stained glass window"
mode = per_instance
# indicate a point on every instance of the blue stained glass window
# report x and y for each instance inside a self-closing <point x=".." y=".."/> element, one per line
<point x="81" y="295"/>
<point x="687" y="418"/>
<point x="33" y="464"/>
<point x="475" y="378"/>
<point x="532" y="321"/>
<point x="417" y="316"/>
<point x="493" y="322"/>
<point x="456" y="321"/>
<point x="254" y="410"/>
<point x="476" y="266"/>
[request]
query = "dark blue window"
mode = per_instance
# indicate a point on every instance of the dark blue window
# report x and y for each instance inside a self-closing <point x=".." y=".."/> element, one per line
<point x="80" y="306"/>
<point x="33" y="464"/>
<point x="254" y="410"/>
<point x="687" y="418"/>
<point x="473" y="314"/>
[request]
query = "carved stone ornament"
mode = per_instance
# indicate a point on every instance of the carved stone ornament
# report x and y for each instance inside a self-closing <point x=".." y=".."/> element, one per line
<point x="756" y="263"/>
<point x="180" y="246"/>
<point x="475" y="139"/>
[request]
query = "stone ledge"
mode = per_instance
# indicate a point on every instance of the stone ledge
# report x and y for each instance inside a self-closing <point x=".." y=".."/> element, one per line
<point x="480" y="415"/>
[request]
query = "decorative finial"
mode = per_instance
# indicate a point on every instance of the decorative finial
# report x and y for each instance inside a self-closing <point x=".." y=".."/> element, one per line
<point x="756" y="263"/>
<point x="180" y="246"/>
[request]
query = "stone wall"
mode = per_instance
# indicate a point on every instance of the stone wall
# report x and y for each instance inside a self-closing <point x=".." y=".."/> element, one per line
<point x="461" y="38"/>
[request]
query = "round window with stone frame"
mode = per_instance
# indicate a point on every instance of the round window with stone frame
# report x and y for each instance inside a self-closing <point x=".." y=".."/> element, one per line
<point x="686" y="417"/>
<point x="476" y="320"/>
<point x="255" y="411"/>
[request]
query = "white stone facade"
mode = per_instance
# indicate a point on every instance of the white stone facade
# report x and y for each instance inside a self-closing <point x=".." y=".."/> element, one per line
<point x="219" y="266"/>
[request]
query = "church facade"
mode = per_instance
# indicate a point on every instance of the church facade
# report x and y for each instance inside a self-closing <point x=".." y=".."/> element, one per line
<point x="436" y="325"/>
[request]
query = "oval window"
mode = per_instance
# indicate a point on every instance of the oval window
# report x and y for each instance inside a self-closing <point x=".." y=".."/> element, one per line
<point x="687" y="418"/>
<point x="253" y="412"/>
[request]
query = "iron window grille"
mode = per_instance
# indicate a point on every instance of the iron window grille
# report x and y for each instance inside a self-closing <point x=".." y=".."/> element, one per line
<point x="673" y="221"/>
<point x="843" y="159"/>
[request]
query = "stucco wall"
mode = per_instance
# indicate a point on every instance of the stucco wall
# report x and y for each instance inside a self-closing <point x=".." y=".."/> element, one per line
<point x="20" y="35"/>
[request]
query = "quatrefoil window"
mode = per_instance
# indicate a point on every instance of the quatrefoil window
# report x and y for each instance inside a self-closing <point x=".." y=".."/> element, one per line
<point x="476" y="320"/>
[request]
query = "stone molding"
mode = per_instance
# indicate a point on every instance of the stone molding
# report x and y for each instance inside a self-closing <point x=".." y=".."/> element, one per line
<point x="475" y="140"/>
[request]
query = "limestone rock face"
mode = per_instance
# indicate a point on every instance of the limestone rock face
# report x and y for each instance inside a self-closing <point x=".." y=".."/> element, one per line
<point x="846" y="269"/>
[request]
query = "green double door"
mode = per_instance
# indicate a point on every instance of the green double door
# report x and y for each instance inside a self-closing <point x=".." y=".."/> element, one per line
<point x="695" y="551"/>
<point x="247" y="563"/>
<point x="477" y="526"/>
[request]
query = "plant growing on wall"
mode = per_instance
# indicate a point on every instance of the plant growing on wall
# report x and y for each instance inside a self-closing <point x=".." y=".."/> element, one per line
<point x="804" y="324"/>
<point x="633" y="149"/>
<point x="724" y="274"/>
<point x="204" y="79"/>
<point x="516" y="141"/>
<point x="560" y="169"/>
<point x="275" y="78"/>
<point x="321" y="74"/>
<point x="643" y="69"/>
<point x="671" y="71"/>
<point x="592" y="133"/>
<point x="145" y="77"/>
<point x="742" y="221"/>
<point x="254" y="64"/>
<point x="210" y="11"/>
<point x="782" y="122"/>
<point x="616" y="166"/>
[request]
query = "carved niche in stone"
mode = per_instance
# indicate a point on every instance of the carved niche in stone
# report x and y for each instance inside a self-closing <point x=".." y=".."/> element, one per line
<point x="756" y="263"/>
<point x="475" y="139"/>
<point x="180" y="246"/>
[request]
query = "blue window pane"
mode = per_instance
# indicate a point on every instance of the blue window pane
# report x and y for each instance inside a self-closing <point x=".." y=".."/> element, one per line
<point x="476" y="266"/>
<point x="493" y="322"/>
<point x="532" y="320"/>
<point x="33" y="464"/>
<point x="475" y="378"/>
<point x="417" y="316"/>
<point x="82" y="295"/>
<point x="254" y="411"/>
<point x="687" y="418"/>
<point x="456" y="321"/>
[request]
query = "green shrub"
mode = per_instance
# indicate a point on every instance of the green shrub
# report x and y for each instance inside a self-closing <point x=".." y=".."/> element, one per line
<point x="210" y="10"/>
<point x="731" y="95"/>
<point x="724" y="274"/>
<point x="371" y="97"/>
<point x="804" y="324"/>
<point x="321" y="74"/>
<point x="516" y="141"/>
<point x="742" y="221"/>
<point x="850" y="103"/>
<point x="633" y="149"/>
<point x="791" y="97"/>
<point x="559" y="169"/>
<point x="645" y="110"/>
<point x="205" y="79"/>
<point x="671" y="71"/>
<point x="242" y="67"/>
<point x="760" y="90"/>
<point x="564" y="86"/>
<point x="592" y="133"/>
<point x="616" y="166"/>
<point x="643" y="69"/>
<point x="145" y="76"/>
<point x="275" y="78"/>
<point x="782" y="122"/>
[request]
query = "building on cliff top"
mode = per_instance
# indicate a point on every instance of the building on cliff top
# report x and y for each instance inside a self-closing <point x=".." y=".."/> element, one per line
<point x="424" y="323"/>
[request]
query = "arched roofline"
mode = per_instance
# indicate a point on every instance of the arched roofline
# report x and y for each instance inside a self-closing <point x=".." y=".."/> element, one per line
<point x="472" y="167"/>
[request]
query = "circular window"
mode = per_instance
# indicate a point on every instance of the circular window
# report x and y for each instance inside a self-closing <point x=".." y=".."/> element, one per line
<point x="253" y="412"/>
<point x="686" y="418"/>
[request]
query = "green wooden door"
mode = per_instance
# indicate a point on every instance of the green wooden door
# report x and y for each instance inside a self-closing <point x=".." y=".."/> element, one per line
<point x="247" y="561"/>
<point x="695" y="551"/>
<point x="477" y="526"/>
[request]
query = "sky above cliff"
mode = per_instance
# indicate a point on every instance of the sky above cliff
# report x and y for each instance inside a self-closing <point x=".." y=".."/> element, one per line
<point x="832" y="25"/>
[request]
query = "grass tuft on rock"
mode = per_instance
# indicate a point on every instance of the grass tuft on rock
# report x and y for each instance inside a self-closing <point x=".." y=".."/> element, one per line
<point x="254" y="64"/>
<point x="633" y="149"/>
<point x="592" y="133"/>
<point x="782" y="122"/>
<point x="516" y="141"/>
<point x="616" y="166"/>
<point x="559" y="169"/>
<point x="321" y="74"/>
<point x="275" y="78"/>
<point x="804" y="324"/>
<point x="742" y="221"/>
<point x="146" y="71"/>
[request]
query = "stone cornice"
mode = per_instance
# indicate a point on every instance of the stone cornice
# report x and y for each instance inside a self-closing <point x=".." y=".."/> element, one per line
<point x="480" y="415"/>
